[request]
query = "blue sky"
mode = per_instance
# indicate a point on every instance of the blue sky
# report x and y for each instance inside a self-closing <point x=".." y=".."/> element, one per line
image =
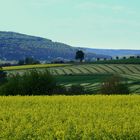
<point x="111" y="24"/>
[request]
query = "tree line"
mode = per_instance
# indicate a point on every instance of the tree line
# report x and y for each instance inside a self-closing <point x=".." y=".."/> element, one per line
<point x="81" y="57"/>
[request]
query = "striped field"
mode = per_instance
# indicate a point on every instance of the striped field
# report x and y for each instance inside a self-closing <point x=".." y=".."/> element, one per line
<point x="90" y="82"/>
<point x="97" y="68"/>
<point x="131" y="72"/>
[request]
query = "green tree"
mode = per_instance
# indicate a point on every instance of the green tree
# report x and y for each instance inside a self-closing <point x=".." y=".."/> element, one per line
<point x="117" y="57"/>
<point x="80" y="55"/>
<point x="32" y="82"/>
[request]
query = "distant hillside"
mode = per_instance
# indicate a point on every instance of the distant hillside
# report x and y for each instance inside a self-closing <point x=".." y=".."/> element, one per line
<point x="112" y="52"/>
<point x="15" y="46"/>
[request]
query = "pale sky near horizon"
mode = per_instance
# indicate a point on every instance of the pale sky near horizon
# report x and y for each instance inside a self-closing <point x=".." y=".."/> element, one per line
<point x="106" y="24"/>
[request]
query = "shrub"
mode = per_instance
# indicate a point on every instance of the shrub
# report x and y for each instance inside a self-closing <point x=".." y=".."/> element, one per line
<point x="115" y="85"/>
<point x="35" y="82"/>
<point x="30" y="83"/>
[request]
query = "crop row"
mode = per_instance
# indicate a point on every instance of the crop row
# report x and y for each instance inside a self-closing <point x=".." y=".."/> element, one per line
<point x="97" y="68"/>
<point x="131" y="72"/>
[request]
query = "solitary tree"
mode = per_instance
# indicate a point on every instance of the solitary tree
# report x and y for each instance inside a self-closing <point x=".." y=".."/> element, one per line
<point x="80" y="55"/>
<point x="117" y="57"/>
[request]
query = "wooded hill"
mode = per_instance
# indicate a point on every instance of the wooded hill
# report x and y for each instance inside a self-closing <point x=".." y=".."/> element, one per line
<point x="15" y="46"/>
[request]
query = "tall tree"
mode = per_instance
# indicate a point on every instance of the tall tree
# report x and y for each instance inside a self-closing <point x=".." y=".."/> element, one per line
<point x="117" y="57"/>
<point x="80" y="55"/>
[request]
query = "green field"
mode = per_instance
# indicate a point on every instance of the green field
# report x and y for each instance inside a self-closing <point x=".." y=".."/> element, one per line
<point x="90" y="82"/>
<point x="97" y="69"/>
<point x="90" y="75"/>
<point x="70" y="118"/>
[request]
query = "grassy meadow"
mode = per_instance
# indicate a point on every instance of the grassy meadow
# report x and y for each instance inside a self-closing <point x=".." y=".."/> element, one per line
<point x="70" y="117"/>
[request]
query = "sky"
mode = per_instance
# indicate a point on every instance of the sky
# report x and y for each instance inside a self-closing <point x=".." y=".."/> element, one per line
<point x="109" y="24"/>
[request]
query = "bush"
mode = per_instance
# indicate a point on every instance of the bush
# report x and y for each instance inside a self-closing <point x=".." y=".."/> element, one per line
<point x="35" y="82"/>
<point x="30" y="83"/>
<point x="115" y="85"/>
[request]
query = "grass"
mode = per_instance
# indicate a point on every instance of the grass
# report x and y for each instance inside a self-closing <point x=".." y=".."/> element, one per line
<point x="73" y="79"/>
<point x="91" y="75"/>
<point x="90" y="82"/>
<point x="75" y="117"/>
<point x="24" y="67"/>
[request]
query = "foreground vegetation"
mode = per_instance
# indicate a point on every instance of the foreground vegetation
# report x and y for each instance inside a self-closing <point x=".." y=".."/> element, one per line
<point x="35" y="82"/>
<point x="90" y="76"/>
<point x="75" y="117"/>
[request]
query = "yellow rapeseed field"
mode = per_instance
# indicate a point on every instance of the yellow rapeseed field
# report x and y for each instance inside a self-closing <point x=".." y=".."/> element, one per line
<point x="70" y="117"/>
<point x="33" y="66"/>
